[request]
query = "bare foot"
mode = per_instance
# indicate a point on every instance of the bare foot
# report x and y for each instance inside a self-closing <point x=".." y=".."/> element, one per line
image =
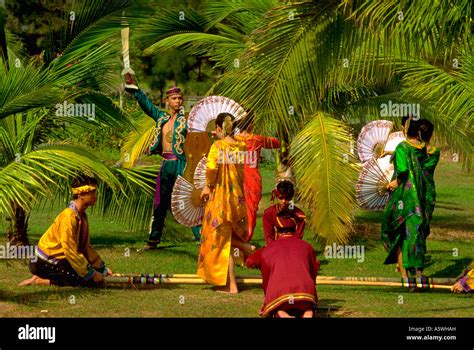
<point x="35" y="280"/>
<point x="308" y="314"/>
<point x="227" y="290"/>
<point x="284" y="314"/>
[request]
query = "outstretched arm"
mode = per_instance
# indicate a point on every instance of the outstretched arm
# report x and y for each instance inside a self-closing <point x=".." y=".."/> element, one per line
<point x="147" y="106"/>
<point x="270" y="142"/>
<point x="144" y="102"/>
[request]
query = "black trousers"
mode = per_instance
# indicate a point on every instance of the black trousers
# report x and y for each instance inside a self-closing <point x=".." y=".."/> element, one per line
<point x="60" y="274"/>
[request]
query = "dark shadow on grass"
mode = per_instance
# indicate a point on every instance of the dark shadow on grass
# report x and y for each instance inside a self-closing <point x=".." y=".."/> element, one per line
<point x="455" y="269"/>
<point x="440" y="206"/>
<point x="162" y="247"/>
<point x="452" y="222"/>
<point x="469" y="307"/>
<point x="440" y="251"/>
<point x="35" y="297"/>
<point x="326" y="307"/>
<point x="109" y="241"/>
<point x="446" y="195"/>
<point x="173" y="251"/>
<point x="246" y="287"/>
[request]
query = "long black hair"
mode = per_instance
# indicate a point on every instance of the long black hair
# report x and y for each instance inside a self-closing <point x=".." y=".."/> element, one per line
<point x="413" y="128"/>
<point x="426" y="130"/>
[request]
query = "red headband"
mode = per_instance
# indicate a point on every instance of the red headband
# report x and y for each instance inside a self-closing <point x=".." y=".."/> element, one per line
<point x="173" y="90"/>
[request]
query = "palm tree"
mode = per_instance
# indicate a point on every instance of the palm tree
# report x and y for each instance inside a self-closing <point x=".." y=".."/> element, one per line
<point x="35" y="165"/>
<point x="306" y="68"/>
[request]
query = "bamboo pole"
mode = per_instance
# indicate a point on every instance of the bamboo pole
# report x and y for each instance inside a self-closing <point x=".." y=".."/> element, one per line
<point x="380" y="284"/>
<point x="319" y="279"/>
<point x="172" y="280"/>
<point x="154" y="279"/>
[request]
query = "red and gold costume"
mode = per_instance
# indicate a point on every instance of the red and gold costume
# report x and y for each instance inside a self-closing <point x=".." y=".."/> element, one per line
<point x="253" y="180"/>
<point x="276" y="222"/>
<point x="288" y="264"/>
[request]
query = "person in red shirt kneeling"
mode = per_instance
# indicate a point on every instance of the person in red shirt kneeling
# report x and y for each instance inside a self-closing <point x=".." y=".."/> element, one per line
<point x="288" y="264"/>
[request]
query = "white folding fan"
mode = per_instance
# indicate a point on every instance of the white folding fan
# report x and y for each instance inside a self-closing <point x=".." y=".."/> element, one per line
<point x="200" y="174"/>
<point x="186" y="205"/>
<point x="371" y="188"/>
<point x="372" y="139"/>
<point x="393" y="140"/>
<point x="207" y="110"/>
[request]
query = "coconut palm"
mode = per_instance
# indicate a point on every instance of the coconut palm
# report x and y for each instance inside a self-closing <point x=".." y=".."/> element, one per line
<point x="36" y="165"/>
<point x="306" y="68"/>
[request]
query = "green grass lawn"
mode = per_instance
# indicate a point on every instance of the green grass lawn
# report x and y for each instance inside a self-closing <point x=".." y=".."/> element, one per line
<point x="450" y="249"/>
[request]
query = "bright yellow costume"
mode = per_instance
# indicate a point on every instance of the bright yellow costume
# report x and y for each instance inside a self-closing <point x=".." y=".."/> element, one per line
<point x="225" y="214"/>
<point x="68" y="238"/>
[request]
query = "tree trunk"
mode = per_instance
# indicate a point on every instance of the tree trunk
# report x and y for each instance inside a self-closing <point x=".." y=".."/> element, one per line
<point x="18" y="230"/>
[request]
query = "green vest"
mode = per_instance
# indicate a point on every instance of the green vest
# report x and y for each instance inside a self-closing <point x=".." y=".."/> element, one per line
<point x="161" y="118"/>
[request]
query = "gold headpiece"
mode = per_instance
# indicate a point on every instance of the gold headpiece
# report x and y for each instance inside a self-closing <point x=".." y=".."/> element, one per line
<point x="227" y="125"/>
<point x="84" y="189"/>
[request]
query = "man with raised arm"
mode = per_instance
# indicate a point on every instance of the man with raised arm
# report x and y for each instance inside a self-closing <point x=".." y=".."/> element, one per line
<point x="168" y="141"/>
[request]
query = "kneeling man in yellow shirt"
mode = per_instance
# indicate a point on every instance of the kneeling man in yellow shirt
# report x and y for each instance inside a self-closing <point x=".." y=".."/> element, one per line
<point x="65" y="256"/>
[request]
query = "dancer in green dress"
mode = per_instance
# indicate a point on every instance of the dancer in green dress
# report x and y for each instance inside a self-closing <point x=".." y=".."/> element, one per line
<point x="429" y="166"/>
<point x="404" y="218"/>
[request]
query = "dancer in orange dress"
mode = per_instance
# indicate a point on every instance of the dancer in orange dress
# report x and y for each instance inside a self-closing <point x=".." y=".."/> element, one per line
<point x="253" y="179"/>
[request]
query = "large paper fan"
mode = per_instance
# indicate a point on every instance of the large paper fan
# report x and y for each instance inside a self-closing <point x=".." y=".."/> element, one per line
<point x="186" y="205"/>
<point x="371" y="188"/>
<point x="207" y="110"/>
<point x="393" y="140"/>
<point x="200" y="174"/>
<point x="372" y="139"/>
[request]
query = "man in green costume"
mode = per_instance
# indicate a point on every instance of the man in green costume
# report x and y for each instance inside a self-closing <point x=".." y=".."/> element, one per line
<point x="168" y="141"/>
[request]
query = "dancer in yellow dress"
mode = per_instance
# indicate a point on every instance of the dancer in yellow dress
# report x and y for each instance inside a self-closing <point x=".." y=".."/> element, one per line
<point x="224" y="225"/>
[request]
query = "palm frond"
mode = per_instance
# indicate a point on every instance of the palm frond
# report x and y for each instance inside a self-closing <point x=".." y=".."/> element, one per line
<point x="133" y="205"/>
<point x="167" y="23"/>
<point x="451" y="91"/>
<point x="137" y="142"/>
<point x="420" y="28"/>
<point x="88" y="63"/>
<point x="21" y="184"/>
<point x="219" y="48"/>
<point x="326" y="174"/>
